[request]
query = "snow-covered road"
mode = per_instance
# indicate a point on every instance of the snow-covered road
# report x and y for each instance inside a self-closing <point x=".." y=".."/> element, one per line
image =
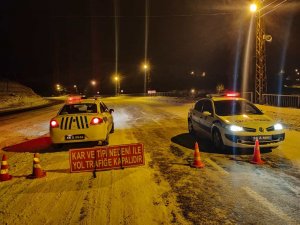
<point x="229" y="190"/>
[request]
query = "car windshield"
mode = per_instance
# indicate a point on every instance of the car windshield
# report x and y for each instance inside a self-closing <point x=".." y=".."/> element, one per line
<point x="235" y="107"/>
<point x="79" y="108"/>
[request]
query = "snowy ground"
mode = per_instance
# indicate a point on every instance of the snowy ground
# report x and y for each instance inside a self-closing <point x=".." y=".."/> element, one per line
<point x="229" y="190"/>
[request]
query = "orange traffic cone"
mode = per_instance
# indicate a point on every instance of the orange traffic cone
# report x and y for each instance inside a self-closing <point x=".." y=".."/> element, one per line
<point x="4" y="175"/>
<point x="256" y="155"/>
<point x="37" y="171"/>
<point x="197" y="160"/>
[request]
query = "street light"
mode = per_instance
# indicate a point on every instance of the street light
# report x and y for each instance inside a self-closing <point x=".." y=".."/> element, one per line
<point x="253" y="7"/>
<point x="58" y="88"/>
<point x="146" y="68"/>
<point x="117" y="80"/>
<point x="93" y="83"/>
<point x="76" y="89"/>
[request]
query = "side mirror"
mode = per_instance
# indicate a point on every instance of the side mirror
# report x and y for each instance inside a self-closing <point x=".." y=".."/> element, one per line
<point x="111" y="111"/>
<point x="206" y="113"/>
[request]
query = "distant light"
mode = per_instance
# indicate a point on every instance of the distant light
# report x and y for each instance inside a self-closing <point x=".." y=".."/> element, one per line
<point x="145" y="66"/>
<point x="192" y="91"/>
<point x="58" y="87"/>
<point x="116" y="78"/>
<point x="203" y="74"/>
<point x="93" y="82"/>
<point x="192" y="72"/>
<point x="253" y="7"/>
<point x="296" y="70"/>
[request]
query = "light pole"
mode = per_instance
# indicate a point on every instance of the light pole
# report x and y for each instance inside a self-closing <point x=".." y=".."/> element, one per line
<point x="146" y="68"/>
<point x="58" y="88"/>
<point x="76" y="88"/>
<point x="117" y="80"/>
<point x="93" y="83"/>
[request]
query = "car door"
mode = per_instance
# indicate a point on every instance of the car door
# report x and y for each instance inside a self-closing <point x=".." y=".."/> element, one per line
<point x="207" y="117"/>
<point x="107" y="117"/>
<point x="195" y="116"/>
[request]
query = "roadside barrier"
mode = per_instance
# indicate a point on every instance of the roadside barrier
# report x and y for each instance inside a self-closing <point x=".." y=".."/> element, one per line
<point x="197" y="160"/>
<point x="4" y="175"/>
<point x="256" y="155"/>
<point x="37" y="171"/>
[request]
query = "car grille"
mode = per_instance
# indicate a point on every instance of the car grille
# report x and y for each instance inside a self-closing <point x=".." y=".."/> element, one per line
<point x="71" y="122"/>
<point x="248" y="129"/>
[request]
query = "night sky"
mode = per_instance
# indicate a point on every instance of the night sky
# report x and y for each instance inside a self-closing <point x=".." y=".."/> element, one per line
<point x="43" y="43"/>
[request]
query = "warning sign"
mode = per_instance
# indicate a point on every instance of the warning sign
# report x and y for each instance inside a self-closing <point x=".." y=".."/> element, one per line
<point x="104" y="158"/>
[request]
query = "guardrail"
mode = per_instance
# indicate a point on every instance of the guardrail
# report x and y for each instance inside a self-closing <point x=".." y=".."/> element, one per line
<point x="268" y="99"/>
<point x="282" y="100"/>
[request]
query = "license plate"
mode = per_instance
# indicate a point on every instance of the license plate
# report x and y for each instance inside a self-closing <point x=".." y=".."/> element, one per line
<point x="74" y="137"/>
<point x="263" y="138"/>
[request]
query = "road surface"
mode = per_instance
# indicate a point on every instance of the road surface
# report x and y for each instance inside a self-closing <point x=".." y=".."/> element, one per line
<point x="228" y="190"/>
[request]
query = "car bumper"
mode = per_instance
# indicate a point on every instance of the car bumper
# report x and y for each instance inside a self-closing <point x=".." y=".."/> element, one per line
<point x="59" y="136"/>
<point x="248" y="141"/>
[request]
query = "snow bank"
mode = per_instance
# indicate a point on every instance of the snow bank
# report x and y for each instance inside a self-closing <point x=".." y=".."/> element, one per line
<point x="14" y="95"/>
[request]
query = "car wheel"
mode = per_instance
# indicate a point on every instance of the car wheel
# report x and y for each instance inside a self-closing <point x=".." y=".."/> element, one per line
<point x="190" y="127"/>
<point x="106" y="141"/>
<point x="217" y="140"/>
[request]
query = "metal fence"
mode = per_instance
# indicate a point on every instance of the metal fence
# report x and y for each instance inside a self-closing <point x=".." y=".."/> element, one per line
<point x="248" y="96"/>
<point x="268" y="99"/>
<point x="282" y="100"/>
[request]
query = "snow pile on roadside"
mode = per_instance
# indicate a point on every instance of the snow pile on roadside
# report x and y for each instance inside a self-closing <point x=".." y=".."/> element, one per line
<point x="20" y="100"/>
<point x="14" y="95"/>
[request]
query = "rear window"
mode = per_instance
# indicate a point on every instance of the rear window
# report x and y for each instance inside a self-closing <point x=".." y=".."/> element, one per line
<point x="78" y="108"/>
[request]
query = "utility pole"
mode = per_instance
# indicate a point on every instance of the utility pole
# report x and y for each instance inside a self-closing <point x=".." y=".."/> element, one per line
<point x="260" y="71"/>
<point x="261" y="39"/>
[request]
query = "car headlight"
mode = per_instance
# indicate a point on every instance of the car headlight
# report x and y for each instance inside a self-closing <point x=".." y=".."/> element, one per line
<point x="278" y="126"/>
<point x="235" y="128"/>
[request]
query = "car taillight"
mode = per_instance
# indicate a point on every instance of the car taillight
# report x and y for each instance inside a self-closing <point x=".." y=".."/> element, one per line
<point x="54" y="124"/>
<point x="96" y="121"/>
<point x="73" y="99"/>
